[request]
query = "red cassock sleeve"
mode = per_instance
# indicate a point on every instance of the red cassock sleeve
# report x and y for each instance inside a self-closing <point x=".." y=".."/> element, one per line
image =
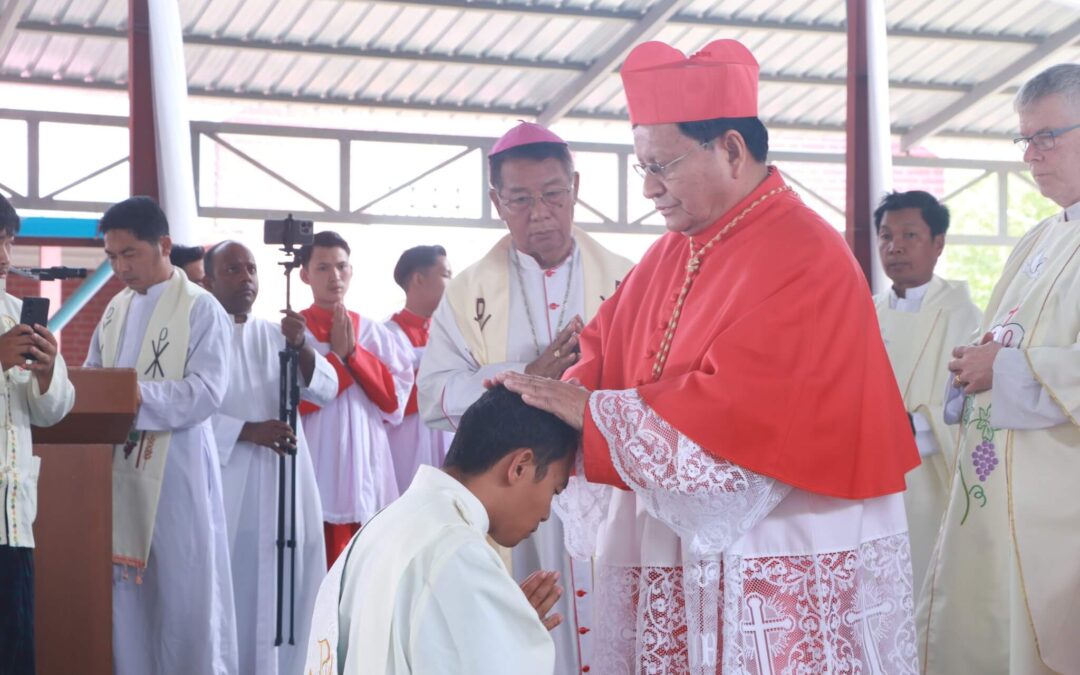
<point x="374" y="378"/>
<point x="589" y="371"/>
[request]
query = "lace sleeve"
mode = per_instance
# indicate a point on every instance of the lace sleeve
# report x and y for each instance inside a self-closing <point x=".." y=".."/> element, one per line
<point x="710" y="503"/>
<point x="582" y="508"/>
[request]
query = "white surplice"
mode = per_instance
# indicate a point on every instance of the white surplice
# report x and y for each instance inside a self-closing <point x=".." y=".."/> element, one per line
<point x="450" y="375"/>
<point x="250" y="485"/>
<point x="420" y="591"/>
<point x="765" y="578"/>
<point x="347" y="436"/>
<point x="180" y="619"/>
<point x="413" y="443"/>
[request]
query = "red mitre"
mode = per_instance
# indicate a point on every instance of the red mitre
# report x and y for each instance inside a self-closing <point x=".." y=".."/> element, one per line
<point x="664" y="87"/>
<point x="525" y="133"/>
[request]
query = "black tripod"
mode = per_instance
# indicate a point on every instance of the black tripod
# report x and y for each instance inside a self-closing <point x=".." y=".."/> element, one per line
<point x="289" y="403"/>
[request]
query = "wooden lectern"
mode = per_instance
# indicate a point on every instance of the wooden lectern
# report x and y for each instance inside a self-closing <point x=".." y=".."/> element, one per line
<point x="73" y="529"/>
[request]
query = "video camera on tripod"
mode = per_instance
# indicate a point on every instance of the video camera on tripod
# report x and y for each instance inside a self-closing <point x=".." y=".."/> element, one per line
<point x="290" y="234"/>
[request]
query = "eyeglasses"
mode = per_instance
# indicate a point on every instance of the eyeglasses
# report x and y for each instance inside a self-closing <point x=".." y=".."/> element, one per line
<point x="556" y="198"/>
<point x="1044" y="140"/>
<point x="660" y="170"/>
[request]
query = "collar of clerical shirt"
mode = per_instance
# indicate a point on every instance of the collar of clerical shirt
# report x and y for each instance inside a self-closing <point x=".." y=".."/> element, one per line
<point x="471" y="510"/>
<point x="912" y="300"/>
<point x="1073" y="212"/>
<point x="529" y="264"/>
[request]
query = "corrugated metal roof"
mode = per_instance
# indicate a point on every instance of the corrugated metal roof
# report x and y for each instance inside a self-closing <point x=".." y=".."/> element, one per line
<point x="517" y="56"/>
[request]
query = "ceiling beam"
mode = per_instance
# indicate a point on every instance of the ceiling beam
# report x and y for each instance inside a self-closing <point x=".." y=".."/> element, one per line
<point x="10" y="14"/>
<point x="991" y="85"/>
<point x="305" y="49"/>
<point x="583" y="85"/>
<point x="688" y="18"/>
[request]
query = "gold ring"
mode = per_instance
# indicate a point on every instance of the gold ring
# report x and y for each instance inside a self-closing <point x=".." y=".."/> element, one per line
<point x="956" y="381"/>
<point x="557" y="353"/>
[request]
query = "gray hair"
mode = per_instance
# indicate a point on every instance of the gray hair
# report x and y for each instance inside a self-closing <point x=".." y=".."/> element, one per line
<point x="1063" y="79"/>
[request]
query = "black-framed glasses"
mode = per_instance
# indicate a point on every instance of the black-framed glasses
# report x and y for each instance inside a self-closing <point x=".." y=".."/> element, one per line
<point x="658" y="170"/>
<point x="556" y="198"/>
<point x="1044" y="140"/>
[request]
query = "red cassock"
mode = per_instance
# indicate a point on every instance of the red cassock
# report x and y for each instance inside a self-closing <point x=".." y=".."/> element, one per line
<point x="417" y="329"/>
<point x="777" y="364"/>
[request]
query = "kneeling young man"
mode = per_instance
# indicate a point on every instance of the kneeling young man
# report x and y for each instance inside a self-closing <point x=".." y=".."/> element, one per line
<point x="419" y="589"/>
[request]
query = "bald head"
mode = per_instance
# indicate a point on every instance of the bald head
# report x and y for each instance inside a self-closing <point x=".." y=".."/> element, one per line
<point x="232" y="276"/>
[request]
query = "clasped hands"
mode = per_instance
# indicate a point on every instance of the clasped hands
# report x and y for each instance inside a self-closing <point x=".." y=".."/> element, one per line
<point x="972" y="366"/>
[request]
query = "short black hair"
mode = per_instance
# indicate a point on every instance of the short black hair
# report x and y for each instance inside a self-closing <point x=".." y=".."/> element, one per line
<point x="536" y="152"/>
<point x="498" y="423"/>
<point x="9" y="220"/>
<point x="139" y="215"/>
<point x="933" y="212"/>
<point x="324" y="239"/>
<point x="185" y="255"/>
<point x="415" y="259"/>
<point x="211" y="253"/>
<point x="750" y="128"/>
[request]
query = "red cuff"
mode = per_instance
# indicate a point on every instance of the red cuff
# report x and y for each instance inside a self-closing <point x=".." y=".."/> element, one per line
<point x="598" y="465"/>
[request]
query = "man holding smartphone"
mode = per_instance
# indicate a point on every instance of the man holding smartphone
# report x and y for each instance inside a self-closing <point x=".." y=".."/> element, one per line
<point x="34" y="392"/>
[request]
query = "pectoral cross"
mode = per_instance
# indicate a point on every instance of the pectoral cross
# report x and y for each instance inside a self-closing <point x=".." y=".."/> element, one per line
<point x="759" y="628"/>
<point x="862" y="616"/>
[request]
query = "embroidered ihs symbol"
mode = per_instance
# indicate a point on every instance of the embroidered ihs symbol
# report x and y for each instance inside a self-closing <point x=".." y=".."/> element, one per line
<point x="482" y="317"/>
<point x="159" y="347"/>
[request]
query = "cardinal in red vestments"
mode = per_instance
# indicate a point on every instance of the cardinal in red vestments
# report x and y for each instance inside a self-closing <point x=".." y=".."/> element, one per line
<point x="745" y="442"/>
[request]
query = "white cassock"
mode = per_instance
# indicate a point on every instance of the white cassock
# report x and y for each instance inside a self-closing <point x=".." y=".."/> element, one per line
<point x="347" y="436"/>
<point x="451" y="375"/>
<point x="920" y="331"/>
<point x="424" y="593"/>
<point x="249" y="475"/>
<point x="180" y="619"/>
<point x="413" y="443"/>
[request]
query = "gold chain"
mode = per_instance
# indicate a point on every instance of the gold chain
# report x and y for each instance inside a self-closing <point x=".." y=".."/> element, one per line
<point x="693" y="266"/>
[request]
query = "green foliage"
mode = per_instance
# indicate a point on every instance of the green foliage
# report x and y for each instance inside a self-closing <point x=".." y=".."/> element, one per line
<point x="974" y="213"/>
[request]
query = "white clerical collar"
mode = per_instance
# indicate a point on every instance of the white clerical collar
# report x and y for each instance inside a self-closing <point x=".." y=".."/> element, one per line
<point x="529" y="263"/>
<point x="470" y="508"/>
<point x="1072" y="213"/>
<point x="155" y="291"/>
<point x="913" y="295"/>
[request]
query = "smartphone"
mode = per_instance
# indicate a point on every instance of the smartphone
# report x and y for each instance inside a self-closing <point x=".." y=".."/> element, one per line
<point x="35" y="311"/>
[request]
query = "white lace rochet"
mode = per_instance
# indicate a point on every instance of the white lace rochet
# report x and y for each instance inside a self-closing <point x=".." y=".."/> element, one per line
<point x="804" y="613"/>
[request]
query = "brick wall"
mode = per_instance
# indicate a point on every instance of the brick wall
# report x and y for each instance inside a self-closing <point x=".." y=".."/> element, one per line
<point x="75" y="338"/>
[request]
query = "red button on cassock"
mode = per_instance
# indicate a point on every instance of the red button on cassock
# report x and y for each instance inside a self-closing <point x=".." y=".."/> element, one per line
<point x="583" y="630"/>
<point x="553" y="306"/>
<point x="581" y="594"/>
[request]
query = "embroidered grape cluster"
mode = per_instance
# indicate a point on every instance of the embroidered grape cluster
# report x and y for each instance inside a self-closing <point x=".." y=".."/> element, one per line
<point x="985" y="459"/>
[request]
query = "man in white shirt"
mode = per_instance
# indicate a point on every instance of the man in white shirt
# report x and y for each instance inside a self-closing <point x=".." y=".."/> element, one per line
<point x="419" y="590"/>
<point x="250" y="438"/>
<point x="922" y="318"/>
<point x="172" y="585"/>
<point x="40" y="394"/>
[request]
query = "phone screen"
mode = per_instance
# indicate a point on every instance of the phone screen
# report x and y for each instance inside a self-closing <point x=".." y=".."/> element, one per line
<point x="35" y="312"/>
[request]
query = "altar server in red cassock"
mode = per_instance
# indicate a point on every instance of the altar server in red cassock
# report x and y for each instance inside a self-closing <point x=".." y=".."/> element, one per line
<point x="744" y="442"/>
